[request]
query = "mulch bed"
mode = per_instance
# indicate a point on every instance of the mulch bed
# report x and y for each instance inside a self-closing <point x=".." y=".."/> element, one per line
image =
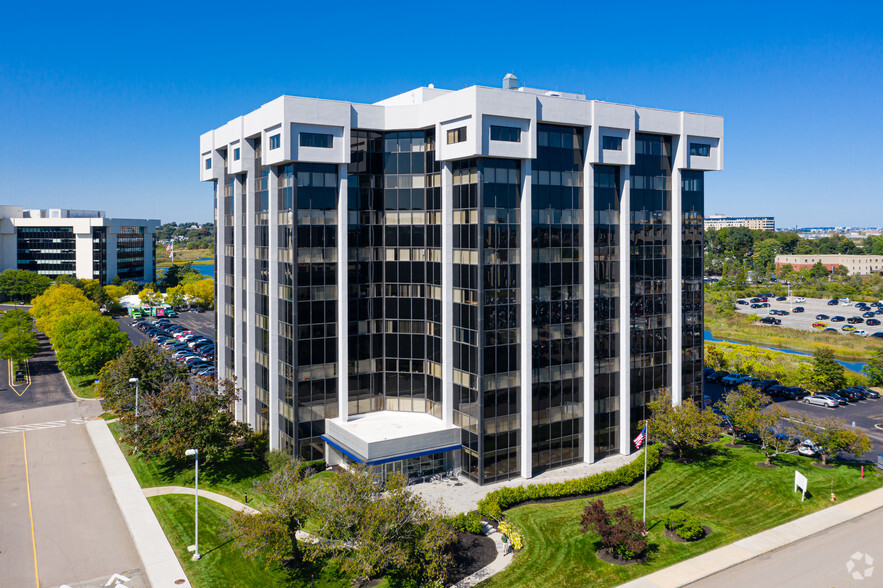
<point x="611" y="558"/>
<point x="470" y="554"/>
<point x="674" y="536"/>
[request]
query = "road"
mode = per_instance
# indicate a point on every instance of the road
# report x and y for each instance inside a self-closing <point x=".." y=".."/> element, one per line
<point x="60" y="521"/>
<point x="821" y="560"/>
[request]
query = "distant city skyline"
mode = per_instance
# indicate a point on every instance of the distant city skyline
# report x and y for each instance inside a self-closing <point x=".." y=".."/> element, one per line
<point x="104" y="110"/>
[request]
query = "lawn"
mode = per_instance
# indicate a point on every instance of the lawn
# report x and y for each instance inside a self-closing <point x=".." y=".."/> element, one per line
<point x="233" y="476"/>
<point x="82" y="385"/>
<point x="727" y="491"/>
<point x="222" y="563"/>
<point x="183" y="256"/>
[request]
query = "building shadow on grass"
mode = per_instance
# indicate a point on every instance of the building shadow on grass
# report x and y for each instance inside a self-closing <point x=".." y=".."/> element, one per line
<point x="238" y="466"/>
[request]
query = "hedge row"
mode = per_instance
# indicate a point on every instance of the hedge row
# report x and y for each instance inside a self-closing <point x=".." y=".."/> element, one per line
<point x="493" y="505"/>
<point x="466" y="522"/>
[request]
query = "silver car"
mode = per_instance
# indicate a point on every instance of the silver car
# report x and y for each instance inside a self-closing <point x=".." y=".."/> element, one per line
<point x="821" y="400"/>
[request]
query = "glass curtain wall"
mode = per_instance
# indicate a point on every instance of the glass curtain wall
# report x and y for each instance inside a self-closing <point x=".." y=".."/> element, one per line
<point x="606" y="292"/>
<point x="49" y="251"/>
<point x="130" y="253"/>
<point x="557" y="297"/>
<point x="650" y="242"/>
<point x="285" y="304"/>
<point x="261" y="301"/>
<point x="467" y="414"/>
<point x="500" y="294"/>
<point x="99" y="254"/>
<point x="692" y="272"/>
<point x="229" y="314"/>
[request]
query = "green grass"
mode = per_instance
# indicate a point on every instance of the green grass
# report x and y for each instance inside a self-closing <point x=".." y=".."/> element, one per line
<point x="82" y="385"/>
<point x="727" y="491"/>
<point x="233" y="476"/>
<point x="222" y="563"/>
<point x="182" y="256"/>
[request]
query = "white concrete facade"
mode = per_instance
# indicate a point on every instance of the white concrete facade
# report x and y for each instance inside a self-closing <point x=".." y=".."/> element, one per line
<point x="82" y="223"/>
<point x="281" y="121"/>
<point x="755" y="223"/>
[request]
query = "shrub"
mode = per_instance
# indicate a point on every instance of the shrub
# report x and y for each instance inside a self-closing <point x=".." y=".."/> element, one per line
<point x="513" y="533"/>
<point x="277" y="459"/>
<point x="619" y="531"/>
<point x="318" y="465"/>
<point x="258" y="444"/>
<point x="685" y="525"/>
<point x="691" y="529"/>
<point x="466" y="522"/>
<point x="493" y="505"/>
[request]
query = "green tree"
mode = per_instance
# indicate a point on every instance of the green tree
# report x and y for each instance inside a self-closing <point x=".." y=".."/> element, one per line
<point x="739" y="241"/>
<point x="57" y="302"/>
<point x="841" y="271"/>
<point x="771" y="431"/>
<point x="150" y="297"/>
<point x="84" y="342"/>
<point x="765" y="253"/>
<point x="874" y="368"/>
<point x="181" y="416"/>
<point x="95" y="292"/>
<point x="369" y="528"/>
<point x="272" y="534"/>
<point x="827" y="374"/>
<point x="154" y="368"/>
<point x="819" y="271"/>
<point x="683" y="427"/>
<point x="131" y="286"/>
<point x="15" y="344"/>
<point x="22" y="284"/>
<point x="832" y="435"/>
<point x="744" y="407"/>
<point x="714" y="357"/>
<point x="16" y="319"/>
<point x="620" y="533"/>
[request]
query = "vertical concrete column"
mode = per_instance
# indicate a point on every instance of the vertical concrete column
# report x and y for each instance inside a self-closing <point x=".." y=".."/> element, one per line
<point x="526" y="301"/>
<point x="342" y="296"/>
<point x="221" y="300"/>
<point x="625" y="326"/>
<point x="588" y="218"/>
<point x="447" y="238"/>
<point x="111" y="255"/>
<point x="248" y="303"/>
<point x="83" y="246"/>
<point x="677" y="285"/>
<point x="238" y="298"/>
<point x="273" y="302"/>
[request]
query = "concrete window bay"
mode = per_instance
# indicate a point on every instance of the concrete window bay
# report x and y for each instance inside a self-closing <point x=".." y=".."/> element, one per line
<point x="494" y="281"/>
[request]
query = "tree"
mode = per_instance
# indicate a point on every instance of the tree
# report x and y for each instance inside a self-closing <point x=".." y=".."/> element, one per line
<point x="150" y="297"/>
<point x="154" y="368"/>
<point x="714" y="357"/>
<point x="84" y="342"/>
<point x="115" y="292"/>
<point x="765" y="253"/>
<point x="202" y="292"/>
<point x="22" y="284"/>
<point x="619" y="531"/>
<point x="181" y="416"/>
<point x="874" y="368"/>
<point x="818" y="271"/>
<point x="369" y="528"/>
<point x="15" y="344"/>
<point x="841" y="271"/>
<point x="57" y="302"/>
<point x="94" y="292"/>
<point x="175" y="295"/>
<point x="771" y="431"/>
<point x="827" y="374"/>
<point x="16" y="319"/>
<point x="832" y="435"/>
<point x="175" y="274"/>
<point x="744" y="408"/>
<point x="131" y="286"/>
<point x="272" y="533"/>
<point x="683" y="427"/>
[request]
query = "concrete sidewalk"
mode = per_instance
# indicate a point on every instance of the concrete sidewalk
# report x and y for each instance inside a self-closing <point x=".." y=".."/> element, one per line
<point x="207" y="494"/>
<point x="160" y="563"/>
<point x="710" y="563"/>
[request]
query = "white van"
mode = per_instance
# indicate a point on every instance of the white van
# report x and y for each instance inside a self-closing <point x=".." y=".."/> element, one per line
<point x="845" y="301"/>
<point x="800" y="299"/>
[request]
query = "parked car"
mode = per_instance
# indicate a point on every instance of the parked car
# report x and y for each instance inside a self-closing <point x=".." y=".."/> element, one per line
<point x="872" y="322"/>
<point x="777" y="390"/>
<point x="754" y="300"/>
<point x="715" y="377"/>
<point x="850" y="395"/>
<point x="765" y="385"/>
<point x="878" y="335"/>
<point x="860" y="332"/>
<point x="820" y="400"/>
<point x="834" y="396"/>
<point x="764" y="304"/>
<point x="837" y="319"/>
<point x="809" y="449"/>
<point x="741" y="302"/>
<point x="868" y="393"/>
<point x="800" y="299"/>
<point x="831" y="330"/>
<point x="733" y="379"/>
<point x="797" y="309"/>
<point x="847" y="328"/>
<point x="781" y="298"/>
<point x="768" y="320"/>
<point x="819" y="325"/>
<point x="750" y="438"/>
<point x="822" y="317"/>
<point x="794" y="393"/>
<point x="854" y="320"/>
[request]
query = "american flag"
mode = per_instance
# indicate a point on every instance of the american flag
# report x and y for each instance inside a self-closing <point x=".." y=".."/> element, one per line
<point x="169" y="246"/>
<point x="639" y="440"/>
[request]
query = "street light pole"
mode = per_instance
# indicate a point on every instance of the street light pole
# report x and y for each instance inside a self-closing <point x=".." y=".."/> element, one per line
<point x="136" y="382"/>
<point x="196" y="556"/>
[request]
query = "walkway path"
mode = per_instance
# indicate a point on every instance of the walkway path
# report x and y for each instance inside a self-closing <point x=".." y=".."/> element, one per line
<point x="160" y="562"/>
<point x="207" y="494"/>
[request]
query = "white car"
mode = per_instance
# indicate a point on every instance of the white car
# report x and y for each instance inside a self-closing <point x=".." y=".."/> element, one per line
<point x="809" y="449"/>
<point x="800" y="299"/>
<point x="733" y="379"/>
<point x="821" y="400"/>
<point x="860" y="332"/>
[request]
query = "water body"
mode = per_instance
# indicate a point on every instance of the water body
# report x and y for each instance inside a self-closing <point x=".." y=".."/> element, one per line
<point x="206" y="269"/>
<point x="855" y="366"/>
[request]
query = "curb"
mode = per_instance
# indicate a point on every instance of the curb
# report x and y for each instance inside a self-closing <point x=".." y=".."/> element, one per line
<point x="161" y="565"/>
<point x="712" y="562"/>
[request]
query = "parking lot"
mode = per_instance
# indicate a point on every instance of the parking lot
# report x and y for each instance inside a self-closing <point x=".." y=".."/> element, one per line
<point x="200" y="323"/>
<point x="866" y="415"/>
<point x="813" y="307"/>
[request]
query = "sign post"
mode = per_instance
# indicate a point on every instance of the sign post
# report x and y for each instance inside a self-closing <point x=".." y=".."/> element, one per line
<point x="800" y="482"/>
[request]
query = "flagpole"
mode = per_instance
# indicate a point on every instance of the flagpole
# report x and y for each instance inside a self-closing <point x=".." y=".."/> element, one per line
<point x="646" y="446"/>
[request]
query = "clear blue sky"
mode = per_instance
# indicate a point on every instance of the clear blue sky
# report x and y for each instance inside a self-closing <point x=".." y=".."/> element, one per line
<point x="102" y="107"/>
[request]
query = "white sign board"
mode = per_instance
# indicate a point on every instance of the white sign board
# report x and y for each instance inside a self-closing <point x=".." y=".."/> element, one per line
<point x="800" y="482"/>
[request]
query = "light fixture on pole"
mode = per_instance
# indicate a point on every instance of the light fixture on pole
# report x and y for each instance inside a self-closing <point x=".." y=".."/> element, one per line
<point x="135" y="381"/>
<point x="196" y="556"/>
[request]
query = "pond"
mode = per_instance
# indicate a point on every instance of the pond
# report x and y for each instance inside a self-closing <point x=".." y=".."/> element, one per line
<point x="855" y="366"/>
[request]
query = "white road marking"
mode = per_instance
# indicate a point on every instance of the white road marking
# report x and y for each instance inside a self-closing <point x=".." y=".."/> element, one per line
<point x="38" y="426"/>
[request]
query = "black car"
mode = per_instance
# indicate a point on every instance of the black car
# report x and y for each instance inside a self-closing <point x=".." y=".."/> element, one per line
<point x="750" y="438"/>
<point x="765" y="385"/>
<point x="854" y="320"/>
<point x="837" y="319"/>
<point x="878" y="335"/>
<point x="794" y="393"/>
<point x="741" y="302"/>
<point x="798" y="309"/>
<point x="777" y="390"/>
<point x="869" y="314"/>
<point x="834" y="396"/>
<point x="872" y="322"/>
<point x="832" y="303"/>
<point x="822" y="317"/>
<point x="754" y="300"/>
<point x="781" y="299"/>
<point x="850" y="395"/>
<point x="754" y="305"/>
<point x="876" y="304"/>
<point x="769" y="320"/>
<point x="715" y="377"/>
<point x="867" y="392"/>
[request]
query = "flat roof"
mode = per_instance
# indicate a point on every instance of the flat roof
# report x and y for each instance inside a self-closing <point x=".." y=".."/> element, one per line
<point x="385" y="425"/>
